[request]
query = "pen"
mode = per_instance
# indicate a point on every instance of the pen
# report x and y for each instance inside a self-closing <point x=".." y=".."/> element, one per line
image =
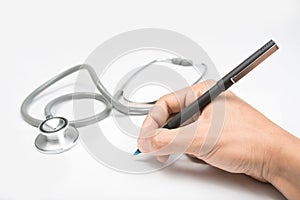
<point x="222" y="85"/>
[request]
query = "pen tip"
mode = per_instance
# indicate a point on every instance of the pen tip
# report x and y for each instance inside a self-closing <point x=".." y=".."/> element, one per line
<point x="137" y="152"/>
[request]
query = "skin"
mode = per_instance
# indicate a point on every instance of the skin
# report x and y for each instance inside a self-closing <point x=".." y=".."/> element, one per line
<point x="246" y="142"/>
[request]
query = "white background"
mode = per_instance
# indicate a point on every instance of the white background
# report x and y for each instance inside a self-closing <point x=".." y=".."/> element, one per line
<point x="39" y="39"/>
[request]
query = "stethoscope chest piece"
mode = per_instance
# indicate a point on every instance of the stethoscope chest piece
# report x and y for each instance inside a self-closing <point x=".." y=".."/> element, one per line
<point x="56" y="136"/>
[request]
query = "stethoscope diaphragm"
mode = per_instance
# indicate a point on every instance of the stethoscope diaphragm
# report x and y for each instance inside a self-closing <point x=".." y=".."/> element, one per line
<point x="56" y="136"/>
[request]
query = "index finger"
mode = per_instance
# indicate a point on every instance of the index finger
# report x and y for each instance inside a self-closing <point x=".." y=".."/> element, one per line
<point x="170" y="104"/>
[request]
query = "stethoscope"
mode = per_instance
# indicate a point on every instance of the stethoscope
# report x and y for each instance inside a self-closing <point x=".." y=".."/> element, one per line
<point x="57" y="134"/>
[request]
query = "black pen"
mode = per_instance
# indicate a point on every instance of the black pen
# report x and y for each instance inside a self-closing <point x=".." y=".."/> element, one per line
<point x="222" y="85"/>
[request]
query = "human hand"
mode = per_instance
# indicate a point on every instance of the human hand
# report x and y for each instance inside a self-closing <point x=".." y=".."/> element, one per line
<point x="241" y="144"/>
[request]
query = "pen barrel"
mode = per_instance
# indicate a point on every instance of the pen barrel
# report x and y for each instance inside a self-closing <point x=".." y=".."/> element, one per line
<point x="196" y="106"/>
<point x="226" y="82"/>
<point x="249" y="64"/>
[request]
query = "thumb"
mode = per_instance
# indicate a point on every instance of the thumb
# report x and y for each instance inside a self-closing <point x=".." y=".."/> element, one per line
<point x="169" y="141"/>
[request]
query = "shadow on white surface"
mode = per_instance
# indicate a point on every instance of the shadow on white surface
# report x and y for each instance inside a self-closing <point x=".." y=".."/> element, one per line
<point x="196" y="170"/>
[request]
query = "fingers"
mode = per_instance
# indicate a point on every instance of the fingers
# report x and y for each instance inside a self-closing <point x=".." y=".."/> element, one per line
<point x="173" y="103"/>
<point x="161" y="112"/>
<point x="163" y="142"/>
<point x="163" y="159"/>
<point x="193" y="94"/>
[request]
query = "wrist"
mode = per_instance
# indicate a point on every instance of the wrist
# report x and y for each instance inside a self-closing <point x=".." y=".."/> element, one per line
<point x="277" y="139"/>
<point x="282" y="162"/>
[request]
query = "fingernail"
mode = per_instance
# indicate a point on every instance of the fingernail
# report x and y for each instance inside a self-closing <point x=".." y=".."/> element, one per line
<point x="162" y="159"/>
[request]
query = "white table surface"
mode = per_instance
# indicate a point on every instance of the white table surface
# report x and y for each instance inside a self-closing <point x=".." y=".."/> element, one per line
<point x="39" y="39"/>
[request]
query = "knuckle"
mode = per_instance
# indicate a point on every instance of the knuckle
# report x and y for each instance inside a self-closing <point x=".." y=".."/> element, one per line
<point x="162" y="99"/>
<point x="197" y="93"/>
<point x="210" y="82"/>
<point x="157" y="142"/>
<point x="199" y="88"/>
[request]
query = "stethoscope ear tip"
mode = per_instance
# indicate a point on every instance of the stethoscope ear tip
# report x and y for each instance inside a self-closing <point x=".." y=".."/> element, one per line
<point x="56" y="136"/>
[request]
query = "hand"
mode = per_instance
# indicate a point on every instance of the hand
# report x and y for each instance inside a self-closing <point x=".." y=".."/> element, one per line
<point x="245" y="141"/>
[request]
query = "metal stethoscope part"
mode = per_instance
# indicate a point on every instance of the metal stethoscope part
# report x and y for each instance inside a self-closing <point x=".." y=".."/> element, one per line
<point x="58" y="135"/>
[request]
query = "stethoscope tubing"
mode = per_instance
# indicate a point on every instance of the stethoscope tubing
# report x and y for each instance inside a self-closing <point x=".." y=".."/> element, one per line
<point x="131" y="108"/>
